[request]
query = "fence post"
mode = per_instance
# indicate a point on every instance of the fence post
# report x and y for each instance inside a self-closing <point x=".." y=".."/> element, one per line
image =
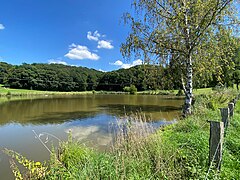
<point x="231" y="109"/>
<point x="216" y="143"/>
<point x="225" y="116"/>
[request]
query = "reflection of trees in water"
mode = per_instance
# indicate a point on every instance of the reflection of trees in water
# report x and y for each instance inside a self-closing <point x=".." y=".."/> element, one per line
<point x="43" y="110"/>
<point x="58" y="110"/>
<point x="153" y="112"/>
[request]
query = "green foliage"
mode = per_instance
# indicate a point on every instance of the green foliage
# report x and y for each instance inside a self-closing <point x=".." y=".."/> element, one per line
<point x="55" y="77"/>
<point x="51" y="77"/>
<point x="132" y="89"/>
<point x="181" y="34"/>
<point x="231" y="159"/>
<point x="180" y="92"/>
<point x="214" y="100"/>
<point x="35" y="170"/>
<point x="9" y="93"/>
<point x="144" y="77"/>
<point x="236" y="73"/>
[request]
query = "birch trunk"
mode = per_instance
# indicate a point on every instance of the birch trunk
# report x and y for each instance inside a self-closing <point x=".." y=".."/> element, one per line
<point x="188" y="89"/>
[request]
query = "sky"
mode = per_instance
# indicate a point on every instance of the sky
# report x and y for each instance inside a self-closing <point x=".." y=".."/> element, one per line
<point x="72" y="32"/>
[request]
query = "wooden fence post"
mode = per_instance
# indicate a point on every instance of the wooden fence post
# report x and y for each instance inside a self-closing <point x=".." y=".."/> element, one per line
<point x="216" y="143"/>
<point x="231" y="108"/>
<point x="225" y="116"/>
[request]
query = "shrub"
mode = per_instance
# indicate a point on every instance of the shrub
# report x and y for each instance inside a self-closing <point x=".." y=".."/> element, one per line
<point x="132" y="89"/>
<point x="180" y="92"/>
<point x="9" y="93"/>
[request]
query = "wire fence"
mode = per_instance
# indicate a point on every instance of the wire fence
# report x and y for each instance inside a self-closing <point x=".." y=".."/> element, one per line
<point x="229" y="117"/>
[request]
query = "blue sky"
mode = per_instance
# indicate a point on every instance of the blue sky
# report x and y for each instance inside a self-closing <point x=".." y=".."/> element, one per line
<point x="74" y="32"/>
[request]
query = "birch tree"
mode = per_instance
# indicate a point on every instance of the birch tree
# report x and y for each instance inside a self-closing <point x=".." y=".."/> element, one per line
<point x="174" y="30"/>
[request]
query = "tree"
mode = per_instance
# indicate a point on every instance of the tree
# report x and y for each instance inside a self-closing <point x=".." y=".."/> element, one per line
<point x="214" y="62"/>
<point x="236" y="77"/>
<point x="236" y="59"/>
<point x="175" y="30"/>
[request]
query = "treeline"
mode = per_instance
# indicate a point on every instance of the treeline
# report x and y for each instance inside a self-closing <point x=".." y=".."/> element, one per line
<point x="51" y="77"/>
<point x="57" y="77"/>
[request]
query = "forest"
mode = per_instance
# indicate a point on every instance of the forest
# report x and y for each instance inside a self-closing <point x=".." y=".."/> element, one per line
<point x="58" y="77"/>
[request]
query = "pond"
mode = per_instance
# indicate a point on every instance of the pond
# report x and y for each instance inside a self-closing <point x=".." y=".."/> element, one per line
<point x="89" y="117"/>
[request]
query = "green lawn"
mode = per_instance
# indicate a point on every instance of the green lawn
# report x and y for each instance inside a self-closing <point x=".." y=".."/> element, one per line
<point x="202" y="91"/>
<point x="15" y="92"/>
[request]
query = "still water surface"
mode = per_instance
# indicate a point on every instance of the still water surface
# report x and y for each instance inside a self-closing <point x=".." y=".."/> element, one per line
<point x="89" y="117"/>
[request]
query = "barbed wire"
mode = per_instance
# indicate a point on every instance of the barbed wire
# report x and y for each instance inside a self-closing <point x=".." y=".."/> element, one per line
<point x="224" y="147"/>
<point x="213" y="158"/>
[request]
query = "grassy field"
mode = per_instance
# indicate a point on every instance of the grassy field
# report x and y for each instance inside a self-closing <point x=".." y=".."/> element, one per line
<point x="178" y="151"/>
<point x="24" y="92"/>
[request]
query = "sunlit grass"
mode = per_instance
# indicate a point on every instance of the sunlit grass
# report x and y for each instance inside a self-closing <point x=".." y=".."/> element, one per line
<point x="15" y="92"/>
<point x="202" y="91"/>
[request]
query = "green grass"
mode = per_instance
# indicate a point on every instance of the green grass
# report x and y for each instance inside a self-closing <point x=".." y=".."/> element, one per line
<point x="174" y="92"/>
<point x="202" y="91"/>
<point x="23" y="92"/>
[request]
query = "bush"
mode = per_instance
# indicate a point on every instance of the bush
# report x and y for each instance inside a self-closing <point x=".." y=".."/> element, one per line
<point x="132" y="89"/>
<point x="180" y="92"/>
<point x="9" y="93"/>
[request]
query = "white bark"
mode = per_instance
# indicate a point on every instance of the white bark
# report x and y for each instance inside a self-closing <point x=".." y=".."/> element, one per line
<point x="188" y="89"/>
<point x="188" y="94"/>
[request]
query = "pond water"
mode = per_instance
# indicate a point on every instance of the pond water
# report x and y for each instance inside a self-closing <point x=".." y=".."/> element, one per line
<point x="89" y="117"/>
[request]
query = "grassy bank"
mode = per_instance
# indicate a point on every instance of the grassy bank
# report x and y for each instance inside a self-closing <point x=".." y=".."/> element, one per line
<point x="25" y="92"/>
<point x="178" y="151"/>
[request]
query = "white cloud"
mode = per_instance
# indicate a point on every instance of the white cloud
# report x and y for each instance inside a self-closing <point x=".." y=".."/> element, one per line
<point x="102" y="70"/>
<point x="127" y="66"/>
<point x="93" y="36"/>
<point x="137" y="62"/>
<point x="2" y="27"/>
<point x="117" y="63"/>
<point x="96" y="36"/>
<point x="54" y="61"/>
<point x="104" y="44"/>
<point x="79" y="52"/>
<point x="72" y="45"/>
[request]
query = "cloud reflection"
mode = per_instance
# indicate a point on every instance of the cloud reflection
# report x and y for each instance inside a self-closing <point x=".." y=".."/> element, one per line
<point x="93" y="134"/>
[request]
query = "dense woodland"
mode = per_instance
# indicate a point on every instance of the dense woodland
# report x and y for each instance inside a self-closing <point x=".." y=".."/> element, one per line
<point x="57" y="77"/>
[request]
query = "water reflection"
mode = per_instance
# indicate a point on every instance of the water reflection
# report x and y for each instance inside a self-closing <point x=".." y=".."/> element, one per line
<point x="62" y="109"/>
<point x="89" y="118"/>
